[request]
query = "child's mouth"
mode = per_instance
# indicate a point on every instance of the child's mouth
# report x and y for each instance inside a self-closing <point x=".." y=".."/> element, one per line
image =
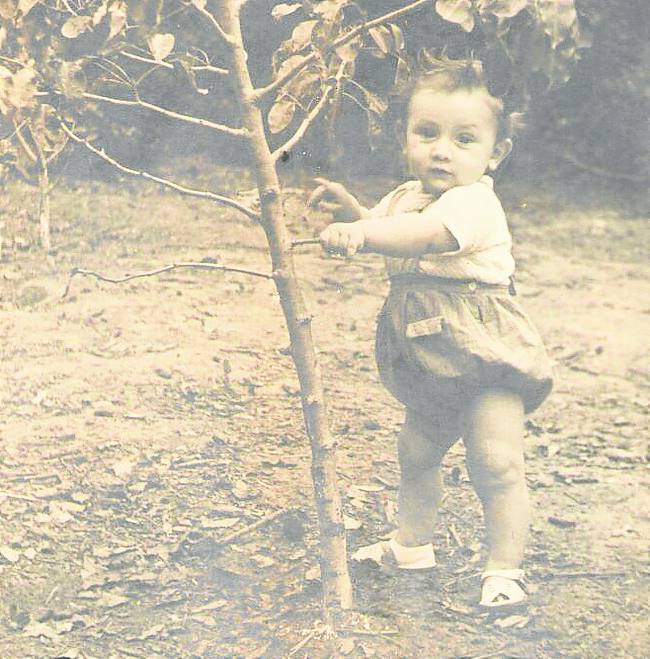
<point x="440" y="173"/>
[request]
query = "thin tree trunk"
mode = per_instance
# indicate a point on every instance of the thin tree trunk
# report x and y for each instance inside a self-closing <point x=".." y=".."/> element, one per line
<point x="44" y="213"/>
<point x="337" y="590"/>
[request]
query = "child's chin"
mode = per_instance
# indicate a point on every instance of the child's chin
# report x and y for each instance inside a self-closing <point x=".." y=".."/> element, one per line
<point x="437" y="187"/>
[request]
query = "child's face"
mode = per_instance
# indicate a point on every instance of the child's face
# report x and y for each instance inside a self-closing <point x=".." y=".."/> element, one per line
<point x="451" y="138"/>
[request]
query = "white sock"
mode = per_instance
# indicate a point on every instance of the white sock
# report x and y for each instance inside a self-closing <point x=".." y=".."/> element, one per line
<point x="413" y="558"/>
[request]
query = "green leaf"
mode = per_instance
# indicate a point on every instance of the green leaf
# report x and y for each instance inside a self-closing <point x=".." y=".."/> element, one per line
<point x="7" y="9"/>
<point x="558" y="19"/>
<point x="118" y="13"/>
<point x="329" y="9"/>
<point x="281" y="114"/>
<point x="76" y="25"/>
<point x="402" y="72"/>
<point x="280" y="11"/>
<point x="382" y="36"/>
<point x="348" y="52"/>
<point x="398" y="37"/>
<point x="503" y="8"/>
<point x="100" y="13"/>
<point x="457" y="11"/>
<point x="301" y="34"/>
<point x="161" y="45"/>
<point x="288" y="64"/>
<point x="183" y="65"/>
<point x="25" y="6"/>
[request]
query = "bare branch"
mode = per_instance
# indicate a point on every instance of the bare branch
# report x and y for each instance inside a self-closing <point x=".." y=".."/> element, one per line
<point x="305" y="241"/>
<point x="168" y="65"/>
<point x="159" y="271"/>
<point x="228" y="38"/>
<point x="261" y="92"/>
<point x="57" y="152"/>
<point x="23" y="142"/>
<point x="206" y="123"/>
<point x="205" y="194"/>
<point x="309" y="119"/>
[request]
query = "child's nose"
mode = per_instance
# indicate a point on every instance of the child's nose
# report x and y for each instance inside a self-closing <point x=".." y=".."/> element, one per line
<point x="441" y="149"/>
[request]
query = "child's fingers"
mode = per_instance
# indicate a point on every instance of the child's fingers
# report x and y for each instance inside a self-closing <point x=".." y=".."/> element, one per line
<point x="337" y="190"/>
<point x="329" y="206"/>
<point x="333" y="240"/>
<point x="316" y="196"/>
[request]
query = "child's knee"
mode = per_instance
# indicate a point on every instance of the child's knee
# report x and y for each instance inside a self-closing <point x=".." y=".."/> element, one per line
<point x="495" y="469"/>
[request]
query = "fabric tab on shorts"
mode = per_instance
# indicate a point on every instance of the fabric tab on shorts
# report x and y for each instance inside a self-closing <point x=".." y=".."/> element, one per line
<point x="424" y="327"/>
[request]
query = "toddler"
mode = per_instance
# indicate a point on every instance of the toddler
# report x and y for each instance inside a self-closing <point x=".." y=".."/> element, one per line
<point x="452" y="343"/>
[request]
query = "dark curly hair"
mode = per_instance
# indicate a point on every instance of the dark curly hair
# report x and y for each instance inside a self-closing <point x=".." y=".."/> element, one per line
<point x="449" y="75"/>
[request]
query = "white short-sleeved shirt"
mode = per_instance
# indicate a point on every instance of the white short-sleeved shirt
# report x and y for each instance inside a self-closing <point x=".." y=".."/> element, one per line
<point x="473" y="215"/>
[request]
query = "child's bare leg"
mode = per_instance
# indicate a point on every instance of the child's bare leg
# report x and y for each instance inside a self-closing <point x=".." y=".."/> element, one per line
<point x="495" y="461"/>
<point x="423" y="443"/>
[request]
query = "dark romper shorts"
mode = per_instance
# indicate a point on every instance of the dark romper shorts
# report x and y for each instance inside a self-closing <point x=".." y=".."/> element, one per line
<point x="441" y="342"/>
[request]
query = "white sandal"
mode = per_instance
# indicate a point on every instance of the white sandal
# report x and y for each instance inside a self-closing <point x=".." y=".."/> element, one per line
<point x="503" y="588"/>
<point x="421" y="557"/>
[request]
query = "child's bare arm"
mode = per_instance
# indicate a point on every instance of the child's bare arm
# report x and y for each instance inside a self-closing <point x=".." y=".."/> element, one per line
<point x="407" y="235"/>
<point x="334" y="198"/>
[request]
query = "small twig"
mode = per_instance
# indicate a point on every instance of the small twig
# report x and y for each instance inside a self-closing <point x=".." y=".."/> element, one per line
<point x="158" y="271"/>
<point x="604" y="172"/>
<point x="308" y="120"/>
<point x="48" y="599"/>
<point x="168" y="65"/>
<point x="206" y="123"/>
<point x="305" y="241"/>
<point x="20" y="497"/>
<point x="370" y="632"/>
<point x="453" y="514"/>
<point x="252" y="527"/>
<point x="580" y="575"/>
<point x="463" y="577"/>
<point x="499" y="650"/>
<point x="23" y="142"/>
<point x="193" y="192"/>
<point x="454" y="535"/>
<point x="228" y="38"/>
<point x="299" y="646"/>
<point x="575" y="499"/>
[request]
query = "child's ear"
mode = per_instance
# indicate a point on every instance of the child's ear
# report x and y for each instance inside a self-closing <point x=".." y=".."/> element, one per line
<point x="500" y="153"/>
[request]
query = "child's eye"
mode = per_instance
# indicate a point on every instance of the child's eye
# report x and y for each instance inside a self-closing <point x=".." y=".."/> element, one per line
<point x="427" y="133"/>
<point x="466" y="138"/>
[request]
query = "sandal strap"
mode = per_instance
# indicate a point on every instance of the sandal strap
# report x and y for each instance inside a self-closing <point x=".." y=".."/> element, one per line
<point x="513" y="574"/>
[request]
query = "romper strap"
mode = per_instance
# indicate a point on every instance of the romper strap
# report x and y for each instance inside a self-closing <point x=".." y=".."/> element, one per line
<point x="423" y="281"/>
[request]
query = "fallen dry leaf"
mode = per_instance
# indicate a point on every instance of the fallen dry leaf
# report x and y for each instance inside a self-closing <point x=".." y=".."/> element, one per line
<point x="313" y="573"/>
<point x="111" y="600"/>
<point x="211" y="606"/>
<point x="9" y="554"/>
<point x="351" y="524"/>
<point x="516" y="621"/>
<point x="347" y="646"/>
<point x="222" y="523"/>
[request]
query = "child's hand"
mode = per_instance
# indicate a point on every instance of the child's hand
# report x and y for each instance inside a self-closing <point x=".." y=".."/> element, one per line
<point x="333" y="198"/>
<point x="343" y="238"/>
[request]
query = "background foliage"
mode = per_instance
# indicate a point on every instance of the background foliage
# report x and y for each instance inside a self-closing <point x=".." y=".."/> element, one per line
<point x="55" y="51"/>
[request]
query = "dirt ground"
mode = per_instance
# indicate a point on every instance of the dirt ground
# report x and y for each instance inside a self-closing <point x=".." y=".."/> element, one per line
<point x="144" y="425"/>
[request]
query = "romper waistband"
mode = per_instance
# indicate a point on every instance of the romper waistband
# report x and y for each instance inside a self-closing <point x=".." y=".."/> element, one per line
<point x="467" y="286"/>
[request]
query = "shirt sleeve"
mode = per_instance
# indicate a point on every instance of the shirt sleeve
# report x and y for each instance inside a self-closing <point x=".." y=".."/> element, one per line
<point x="383" y="207"/>
<point x="473" y="215"/>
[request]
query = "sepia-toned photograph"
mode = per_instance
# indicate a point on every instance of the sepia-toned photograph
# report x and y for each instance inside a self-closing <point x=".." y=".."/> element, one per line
<point x="324" y="329"/>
